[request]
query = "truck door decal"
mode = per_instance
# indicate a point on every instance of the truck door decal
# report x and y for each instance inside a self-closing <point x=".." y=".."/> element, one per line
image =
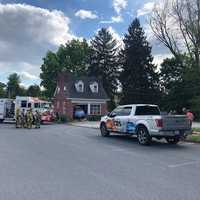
<point x="114" y="125"/>
<point x="130" y="127"/>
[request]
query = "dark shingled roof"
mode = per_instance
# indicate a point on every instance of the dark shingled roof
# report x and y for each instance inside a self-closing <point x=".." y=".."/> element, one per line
<point x="71" y="91"/>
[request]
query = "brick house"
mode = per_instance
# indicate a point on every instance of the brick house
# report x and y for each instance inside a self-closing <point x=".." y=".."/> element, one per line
<point x="85" y="92"/>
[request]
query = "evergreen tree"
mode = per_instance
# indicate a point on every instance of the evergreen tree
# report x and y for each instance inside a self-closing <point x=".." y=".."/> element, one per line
<point x="104" y="64"/>
<point x="138" y="77"/>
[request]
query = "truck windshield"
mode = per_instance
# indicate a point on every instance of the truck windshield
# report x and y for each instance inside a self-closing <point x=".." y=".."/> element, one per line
<point x="147" y="110"/>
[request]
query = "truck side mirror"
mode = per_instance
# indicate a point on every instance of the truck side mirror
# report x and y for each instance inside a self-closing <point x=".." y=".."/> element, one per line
<point x="112" y="115"/>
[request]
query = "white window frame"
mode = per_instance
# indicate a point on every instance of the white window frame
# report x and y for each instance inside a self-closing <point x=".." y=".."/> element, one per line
<point x="78" y="84"/>
<point x="92" y="87"/>
<point x="92" y="112"/>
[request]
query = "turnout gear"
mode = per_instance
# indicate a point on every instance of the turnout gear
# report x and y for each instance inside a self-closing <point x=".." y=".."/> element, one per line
<point x="18" y="118"/>
<point x="23" y="119"/>
<point x="29" y="119"/>
<point x="37" y="119"/>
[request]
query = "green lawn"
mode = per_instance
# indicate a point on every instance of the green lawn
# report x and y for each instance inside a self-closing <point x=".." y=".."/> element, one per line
<point x="196" y="129"/>
<point x="193" y="138"/>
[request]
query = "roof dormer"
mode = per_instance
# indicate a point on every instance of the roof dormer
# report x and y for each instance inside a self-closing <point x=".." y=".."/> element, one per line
<point x="79" y="86"/>
<point x="94" y="87"/>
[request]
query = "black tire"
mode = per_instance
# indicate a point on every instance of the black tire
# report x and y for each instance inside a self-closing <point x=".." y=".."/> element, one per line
<point x="104" y="131"/>
<point x="143" y="136"/>
<point x="173" y="140"/>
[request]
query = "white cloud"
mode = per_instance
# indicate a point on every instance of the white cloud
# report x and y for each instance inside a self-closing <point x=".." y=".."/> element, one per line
<point x="119" y="5"/>
<point x="29" y="73"/>
<point x="158" y="58"/>
<point x="28" y="76"/>
<point x="23" y="85"/>
<point x="26" y="33"/>
<point x="114" y="19"/>
<point x="116" y="36"/>
<point x="146" y="9"/>
<point x="117" y="19"/>
<point x="86" y="14"/>
<point x="39" y="24"/>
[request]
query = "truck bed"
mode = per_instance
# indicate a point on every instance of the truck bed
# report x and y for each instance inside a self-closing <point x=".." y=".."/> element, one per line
<point x="175" y="122"/>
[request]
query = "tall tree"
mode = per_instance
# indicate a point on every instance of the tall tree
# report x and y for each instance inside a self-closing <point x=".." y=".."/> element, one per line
<point x="2" y="90"/>
<point x="171" y="72"/>
<point x="13" y="85"/>
<point x="138" y="77"/>
<point x="180" y="83"/>
<point x="73" y="57"/>
<point x="34" y="91"/>
<point x="104" y="61"/>
<point x="176" y="24"/>
<point x="49" y="68"/>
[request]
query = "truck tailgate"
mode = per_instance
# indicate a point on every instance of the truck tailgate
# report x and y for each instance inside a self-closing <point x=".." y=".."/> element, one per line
<point x="175" y="122"/>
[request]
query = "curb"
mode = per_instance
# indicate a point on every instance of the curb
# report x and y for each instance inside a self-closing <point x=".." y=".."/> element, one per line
<point x="190" y="141"/>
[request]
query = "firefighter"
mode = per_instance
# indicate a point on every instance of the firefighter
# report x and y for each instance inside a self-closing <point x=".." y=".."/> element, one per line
<point x="23" y="119"/>
<point x="18" y="118"/>
<point x="37" y="117"/>
<point x="29" y="119"/>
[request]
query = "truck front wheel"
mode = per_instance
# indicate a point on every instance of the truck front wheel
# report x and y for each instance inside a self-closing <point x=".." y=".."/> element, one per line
<point x="143" y="136"/>
<point x="173" y="140"/>
<point x="104" y="131"/>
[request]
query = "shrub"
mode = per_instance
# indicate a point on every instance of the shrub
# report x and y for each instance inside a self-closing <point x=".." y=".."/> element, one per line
<point x="63" y="119"/>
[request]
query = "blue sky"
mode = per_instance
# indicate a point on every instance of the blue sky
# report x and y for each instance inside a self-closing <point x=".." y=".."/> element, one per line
<point x="31" y="27"/>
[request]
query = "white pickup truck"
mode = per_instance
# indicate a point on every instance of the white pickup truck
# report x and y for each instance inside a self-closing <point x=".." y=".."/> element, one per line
<point x="145" y="121"/>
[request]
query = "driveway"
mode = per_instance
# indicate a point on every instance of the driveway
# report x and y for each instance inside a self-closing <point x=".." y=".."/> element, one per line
<point x="71" y="163"/>
<point x="86" y="124"/>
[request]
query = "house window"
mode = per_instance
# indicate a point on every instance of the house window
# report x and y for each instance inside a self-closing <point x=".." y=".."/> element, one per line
<point x="95" y="109"/>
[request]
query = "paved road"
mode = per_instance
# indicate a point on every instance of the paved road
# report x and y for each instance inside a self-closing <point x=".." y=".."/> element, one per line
<point x="63" y="162"/>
